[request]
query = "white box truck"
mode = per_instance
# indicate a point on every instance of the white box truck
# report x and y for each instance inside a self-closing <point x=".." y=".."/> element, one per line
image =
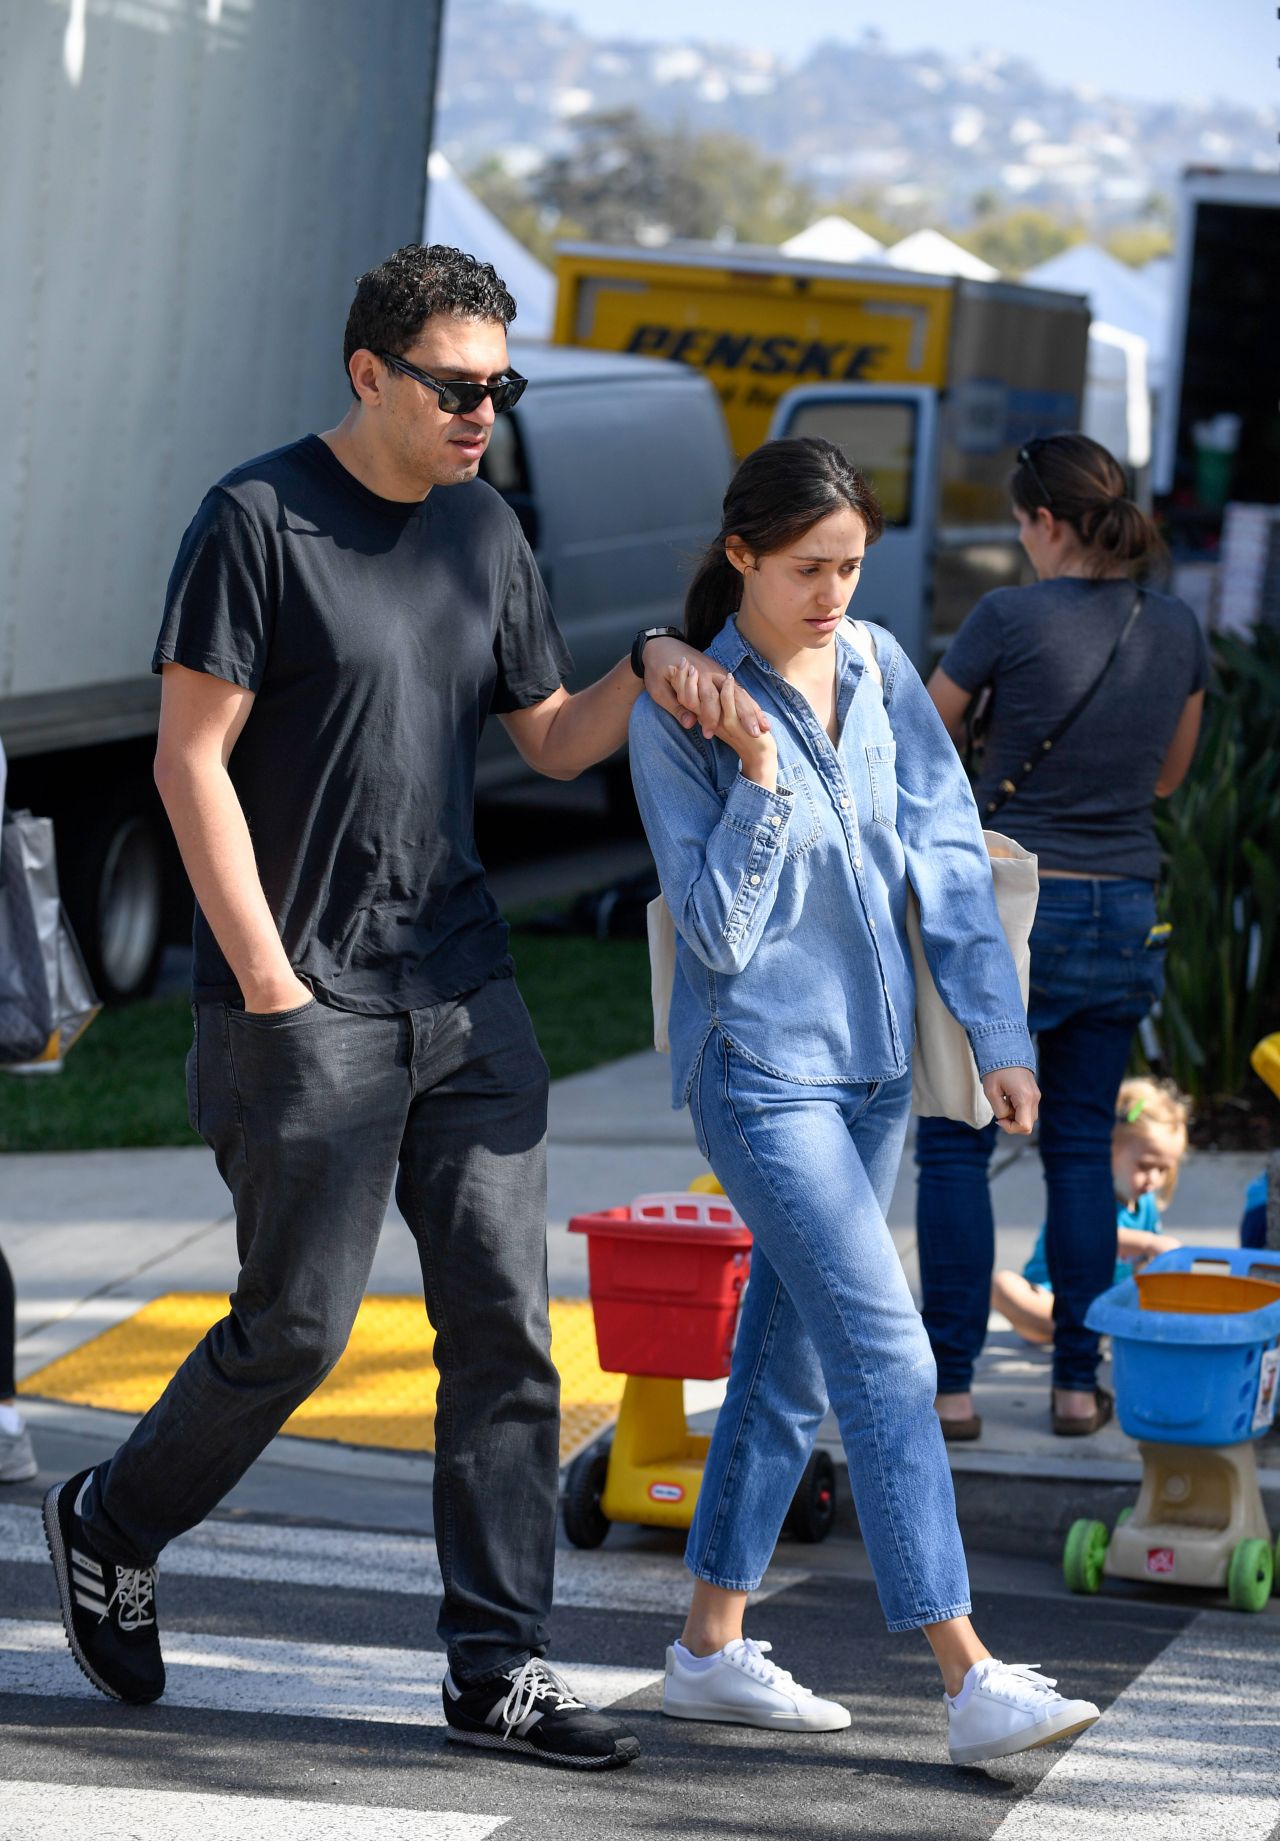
<point x="188" y="190"/>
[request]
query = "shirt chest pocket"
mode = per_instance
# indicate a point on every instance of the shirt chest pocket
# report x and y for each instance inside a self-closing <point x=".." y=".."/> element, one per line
<point x="805" y="827"/>
<point x="883" y="774"/>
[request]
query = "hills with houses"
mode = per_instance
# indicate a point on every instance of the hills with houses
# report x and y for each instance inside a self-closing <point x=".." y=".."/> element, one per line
<point x="921" y="133"/>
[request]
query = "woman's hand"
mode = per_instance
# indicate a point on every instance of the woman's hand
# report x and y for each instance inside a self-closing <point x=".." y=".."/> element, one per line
<point x="693" y="695"/>
<point x="1014" y="1097"/>
<point x="757" y="751"/>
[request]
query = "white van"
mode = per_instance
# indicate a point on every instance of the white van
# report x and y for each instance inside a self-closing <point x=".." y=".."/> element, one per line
<point x="616" y="467"/>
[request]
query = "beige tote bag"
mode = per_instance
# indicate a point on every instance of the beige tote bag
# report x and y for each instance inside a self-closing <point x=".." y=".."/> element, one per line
<point x="944" y="1074"/>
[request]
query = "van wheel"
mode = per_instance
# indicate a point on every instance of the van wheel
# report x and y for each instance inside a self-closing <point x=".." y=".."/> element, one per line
<point x="624" y="813"/>
<point x="111" y="867"/>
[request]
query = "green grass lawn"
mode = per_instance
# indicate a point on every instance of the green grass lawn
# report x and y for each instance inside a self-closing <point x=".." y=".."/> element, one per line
<point x="123" y="1084"/>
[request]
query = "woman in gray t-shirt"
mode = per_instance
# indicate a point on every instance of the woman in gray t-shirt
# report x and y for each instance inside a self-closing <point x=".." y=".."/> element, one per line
<point x="1087" y="813"/>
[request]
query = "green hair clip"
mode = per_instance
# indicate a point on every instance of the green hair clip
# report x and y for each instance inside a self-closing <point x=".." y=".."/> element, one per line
<point x="1135" y="1112"/>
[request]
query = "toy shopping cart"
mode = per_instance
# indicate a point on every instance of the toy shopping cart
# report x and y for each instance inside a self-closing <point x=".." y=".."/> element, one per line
<point x="666" y="1276"/>
<point x="1196" y="1352"/>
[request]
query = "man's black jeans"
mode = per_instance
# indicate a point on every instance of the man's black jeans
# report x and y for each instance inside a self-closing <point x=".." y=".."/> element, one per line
<point x="312" y="1114"/>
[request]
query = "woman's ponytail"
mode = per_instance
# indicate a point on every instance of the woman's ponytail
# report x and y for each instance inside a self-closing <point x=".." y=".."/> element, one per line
<point x="712" y="596"/>
<point x="777" y="494"/>
<point x="1122" y="532"/>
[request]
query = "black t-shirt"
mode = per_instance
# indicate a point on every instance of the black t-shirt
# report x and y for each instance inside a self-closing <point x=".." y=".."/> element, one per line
<point x="1089" y="804"/>
<point x="376" y="636"/>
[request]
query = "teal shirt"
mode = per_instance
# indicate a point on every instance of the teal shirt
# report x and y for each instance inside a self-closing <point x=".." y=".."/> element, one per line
<point x="1144" y="1219"/>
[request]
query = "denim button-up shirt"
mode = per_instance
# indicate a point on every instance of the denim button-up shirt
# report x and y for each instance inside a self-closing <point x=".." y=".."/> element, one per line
<point x="790" y="906"/>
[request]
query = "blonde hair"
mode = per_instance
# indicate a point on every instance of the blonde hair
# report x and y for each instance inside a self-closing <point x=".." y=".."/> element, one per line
<point x="1147" y="1109"/>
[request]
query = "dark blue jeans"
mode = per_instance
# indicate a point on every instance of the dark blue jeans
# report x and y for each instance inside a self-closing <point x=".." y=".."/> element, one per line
<point x="313" y="1114"/>
<point x="1092" y="981"/>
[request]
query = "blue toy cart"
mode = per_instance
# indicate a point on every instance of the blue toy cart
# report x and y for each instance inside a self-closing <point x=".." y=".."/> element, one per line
<point x="1196" y="1354"/>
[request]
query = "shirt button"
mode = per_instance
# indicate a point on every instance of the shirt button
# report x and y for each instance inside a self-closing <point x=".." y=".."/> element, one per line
<point x="775" y="821"/>
<point x="755" y="883"/>
<point x="872" y="925"/>
<point x="844" y="802"/>
<point x="857" y="862"/>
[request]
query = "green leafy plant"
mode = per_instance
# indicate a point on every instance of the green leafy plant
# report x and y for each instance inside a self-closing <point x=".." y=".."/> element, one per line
<point x="1220" y="834"/>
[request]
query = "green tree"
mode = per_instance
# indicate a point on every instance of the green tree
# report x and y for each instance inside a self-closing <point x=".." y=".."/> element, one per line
<point x="627" y="179"/>
<point x="1017" y="240"/>
<point x="514" y="206"/>
<point x="1138" y="244"/>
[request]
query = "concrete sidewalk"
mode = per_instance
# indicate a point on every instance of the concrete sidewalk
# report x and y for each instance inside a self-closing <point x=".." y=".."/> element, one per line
<point x="93" y="1236"/>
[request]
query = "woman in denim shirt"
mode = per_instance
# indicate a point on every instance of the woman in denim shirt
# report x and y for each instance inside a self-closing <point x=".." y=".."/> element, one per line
<point x="785" y="860"/>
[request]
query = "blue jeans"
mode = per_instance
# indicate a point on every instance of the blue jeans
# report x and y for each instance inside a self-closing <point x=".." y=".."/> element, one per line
<point x="1092" y="981"/>
<point x="827" y="1312"/>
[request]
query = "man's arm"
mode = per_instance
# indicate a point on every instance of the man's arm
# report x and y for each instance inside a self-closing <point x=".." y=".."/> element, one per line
<point x="200" y="722"/>
<point x="563" y="735"/>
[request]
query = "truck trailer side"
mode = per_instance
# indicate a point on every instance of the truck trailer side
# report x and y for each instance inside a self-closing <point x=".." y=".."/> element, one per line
<point x="190" y="191"/>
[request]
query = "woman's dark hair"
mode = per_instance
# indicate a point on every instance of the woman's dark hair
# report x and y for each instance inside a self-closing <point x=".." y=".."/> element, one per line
<point x="777" y="494"/>
<point x="1079" y="481"/>
<point x="394" y="301"/>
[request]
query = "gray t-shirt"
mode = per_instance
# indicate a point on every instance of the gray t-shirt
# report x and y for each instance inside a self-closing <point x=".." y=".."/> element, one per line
<point x="1089" y="804"/>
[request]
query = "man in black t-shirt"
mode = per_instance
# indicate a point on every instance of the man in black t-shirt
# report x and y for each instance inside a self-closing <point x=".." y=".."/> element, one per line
<point x="337" y="629"/>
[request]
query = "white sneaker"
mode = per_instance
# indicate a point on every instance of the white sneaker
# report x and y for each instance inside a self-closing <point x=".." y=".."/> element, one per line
<point x="744" y="1688"/>
<point x="17" y="1459"/>
<point x="1006" y="1707"/>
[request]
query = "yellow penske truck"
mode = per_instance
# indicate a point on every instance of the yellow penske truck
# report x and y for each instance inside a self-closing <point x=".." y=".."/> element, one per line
<point x="929" y="383"/>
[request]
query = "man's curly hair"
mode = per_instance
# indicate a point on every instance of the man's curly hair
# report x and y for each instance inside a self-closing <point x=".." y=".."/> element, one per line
<point x="395" y="300"/>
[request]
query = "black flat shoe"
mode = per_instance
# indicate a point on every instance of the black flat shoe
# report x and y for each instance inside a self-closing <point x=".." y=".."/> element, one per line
<point x="1065" y="1427"/>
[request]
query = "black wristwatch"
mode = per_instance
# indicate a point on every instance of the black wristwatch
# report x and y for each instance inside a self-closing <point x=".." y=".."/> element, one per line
<point x="643" y="637"/>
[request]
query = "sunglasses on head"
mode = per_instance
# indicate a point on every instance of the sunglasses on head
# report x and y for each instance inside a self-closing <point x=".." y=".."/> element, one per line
<point x="1025" y="460"/>
<point x="461" y="398"/>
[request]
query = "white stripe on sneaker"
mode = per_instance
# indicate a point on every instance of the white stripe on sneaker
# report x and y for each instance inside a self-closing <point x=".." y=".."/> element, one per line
<point x="399" y="1687"/>
<point x="50" y="1811"/>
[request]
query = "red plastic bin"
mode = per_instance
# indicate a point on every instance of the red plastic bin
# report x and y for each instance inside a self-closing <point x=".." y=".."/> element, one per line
<point x="666" y="1276"/>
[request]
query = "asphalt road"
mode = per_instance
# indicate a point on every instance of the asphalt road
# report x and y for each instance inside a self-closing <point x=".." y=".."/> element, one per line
<point x="303" y="1702"/>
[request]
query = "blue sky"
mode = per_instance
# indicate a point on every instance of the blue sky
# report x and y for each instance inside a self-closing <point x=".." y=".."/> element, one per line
<point x="1153" y="48"/>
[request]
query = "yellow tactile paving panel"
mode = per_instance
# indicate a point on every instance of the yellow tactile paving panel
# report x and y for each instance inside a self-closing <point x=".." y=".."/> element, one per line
<point x="382" y="1392"/>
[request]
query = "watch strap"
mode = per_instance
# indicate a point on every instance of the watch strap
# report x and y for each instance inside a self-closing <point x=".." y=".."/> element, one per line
<point x="645" y="634"/>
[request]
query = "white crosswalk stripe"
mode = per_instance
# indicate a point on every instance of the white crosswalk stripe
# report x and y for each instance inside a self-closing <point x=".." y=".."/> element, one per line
<point x="340" y="1558"/>
<point x="49" y="1812"/>
<point x="331" y="1681"/>
<point x="1187" y="1752"/>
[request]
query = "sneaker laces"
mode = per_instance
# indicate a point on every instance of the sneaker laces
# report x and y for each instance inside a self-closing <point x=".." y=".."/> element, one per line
<point x="533" y="1682"/>
<point x="1019" y="1680"/>
<point x="752" y="1658"/>
<point x="134" y="1594"/>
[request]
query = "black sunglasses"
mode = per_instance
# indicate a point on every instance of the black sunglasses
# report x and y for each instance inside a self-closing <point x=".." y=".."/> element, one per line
<point x="1025" y="460"/>
<point x="459" y="399"/>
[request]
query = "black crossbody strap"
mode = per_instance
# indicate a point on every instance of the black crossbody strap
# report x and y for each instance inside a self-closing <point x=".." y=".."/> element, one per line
<point x="1018" y="780"/>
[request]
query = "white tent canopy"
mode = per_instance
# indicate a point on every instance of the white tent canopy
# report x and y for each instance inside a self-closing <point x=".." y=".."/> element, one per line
<point x="456" y="216"/>
<point x="1128" y="298"/>
<point x="930" y="253"/>
<point x="833" y="239"/>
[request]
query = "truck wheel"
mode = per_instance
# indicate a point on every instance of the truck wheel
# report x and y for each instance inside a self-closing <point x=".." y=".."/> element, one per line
<point x="111" y="867"/>
<point x="813" y="1507"/>
<point x="584" y="1522"/>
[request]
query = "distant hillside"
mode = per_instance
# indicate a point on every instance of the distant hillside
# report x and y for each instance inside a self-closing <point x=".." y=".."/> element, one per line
<point x="921" y="131"/>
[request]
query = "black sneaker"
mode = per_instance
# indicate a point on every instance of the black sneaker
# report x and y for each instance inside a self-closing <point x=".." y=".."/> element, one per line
<point x="530" y="1709"/>
<point x="108" y="1610"/>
